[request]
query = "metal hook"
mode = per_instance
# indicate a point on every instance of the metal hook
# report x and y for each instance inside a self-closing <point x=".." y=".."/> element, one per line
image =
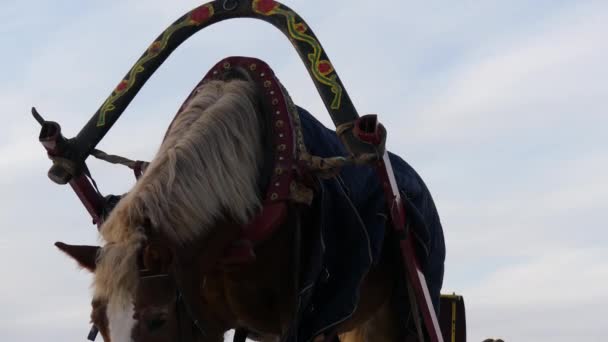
<point x="230" y="5"/>
<point x="37" y="116"/>
<point x="93" y="333"/>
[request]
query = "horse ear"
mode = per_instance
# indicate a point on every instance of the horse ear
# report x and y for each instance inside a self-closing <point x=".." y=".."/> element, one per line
<point x="86" y="256"/>
<point x="157" y="259"/>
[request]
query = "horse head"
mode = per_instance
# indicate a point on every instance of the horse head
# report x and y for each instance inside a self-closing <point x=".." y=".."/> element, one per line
<point x="152" y="314"/>
<point x="164" y="302"/>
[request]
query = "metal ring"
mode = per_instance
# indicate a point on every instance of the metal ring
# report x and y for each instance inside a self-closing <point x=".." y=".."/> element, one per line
<point x="230" y="5"/>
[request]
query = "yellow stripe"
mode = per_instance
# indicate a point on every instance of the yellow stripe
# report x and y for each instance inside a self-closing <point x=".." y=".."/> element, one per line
<point x="453" y="321"/>
<point x="451" y="296"/>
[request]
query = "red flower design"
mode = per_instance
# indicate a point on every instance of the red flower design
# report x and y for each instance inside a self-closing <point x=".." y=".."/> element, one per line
<point x="265" y="6"/>
<point x="154" y="48"/>
<point x="300" y="27"/>
<point x="325" y="67"/>
<point x="122" y="86"/>
<point x="200" y="14"/>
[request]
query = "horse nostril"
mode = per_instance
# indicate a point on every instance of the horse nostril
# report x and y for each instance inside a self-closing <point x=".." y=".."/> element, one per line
<point x="155" y="323"/>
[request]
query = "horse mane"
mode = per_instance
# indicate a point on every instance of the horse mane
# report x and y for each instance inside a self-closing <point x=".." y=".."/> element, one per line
<point x="207" y="168"/>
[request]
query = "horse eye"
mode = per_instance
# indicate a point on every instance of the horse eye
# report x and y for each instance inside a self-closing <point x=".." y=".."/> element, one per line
<point x="155" y="323"/>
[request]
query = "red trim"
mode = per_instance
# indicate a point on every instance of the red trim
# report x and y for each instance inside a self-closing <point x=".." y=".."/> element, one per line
<point x="369" y="130"/>
<point x="266" y="223"/>
<point x="274" y="211"/>
<point x="282" y="125"/>
<point x="89" y="197"/>
<point x="55" y="145"/>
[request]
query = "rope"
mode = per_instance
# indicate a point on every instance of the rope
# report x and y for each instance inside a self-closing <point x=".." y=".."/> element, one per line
<point x="325" y="167"/>
<point x="341" y="129"/>
<point x="138" y="166"/>
<point x="113" y="159"/>
<point x="331" y="166"/>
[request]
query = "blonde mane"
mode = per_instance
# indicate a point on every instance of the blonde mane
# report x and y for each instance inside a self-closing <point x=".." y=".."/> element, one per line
<point x="207" y="167"/>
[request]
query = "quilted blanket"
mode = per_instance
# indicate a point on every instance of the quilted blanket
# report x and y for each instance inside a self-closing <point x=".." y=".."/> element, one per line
<point x="351" y="228"/>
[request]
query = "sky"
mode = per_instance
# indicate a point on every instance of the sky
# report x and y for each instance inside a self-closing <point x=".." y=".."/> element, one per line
<point x="499" y="105"/>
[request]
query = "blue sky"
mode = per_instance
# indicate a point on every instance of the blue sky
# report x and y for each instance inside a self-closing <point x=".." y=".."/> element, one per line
<point x="500" y="106"/>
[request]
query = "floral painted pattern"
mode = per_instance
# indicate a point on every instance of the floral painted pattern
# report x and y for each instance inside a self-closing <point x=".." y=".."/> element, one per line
<point x="320" y="69"/>
<point x="196" y="17"/>
<point x="265" y="7"/>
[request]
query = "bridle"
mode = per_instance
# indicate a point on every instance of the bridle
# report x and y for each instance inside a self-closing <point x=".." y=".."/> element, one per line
<point x="182" y="305"/>
<point x="185" y="319"/>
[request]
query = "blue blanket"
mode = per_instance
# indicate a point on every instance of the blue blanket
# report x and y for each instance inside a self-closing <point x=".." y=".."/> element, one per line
<point x="351" y="227"/>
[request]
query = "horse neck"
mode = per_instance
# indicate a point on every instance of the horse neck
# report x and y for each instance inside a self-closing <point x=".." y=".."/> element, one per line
<point x="260" y="295"/>
<point x="208" y="166"/>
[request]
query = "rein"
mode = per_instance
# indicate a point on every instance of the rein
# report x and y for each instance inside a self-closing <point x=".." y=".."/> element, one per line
<point x="185" y="318"/>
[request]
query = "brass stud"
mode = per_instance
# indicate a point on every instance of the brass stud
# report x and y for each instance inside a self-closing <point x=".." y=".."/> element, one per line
<point x="252" y="67"/>
<point x="281" y="147"/>
<point x="274" y="196"/>
<point x="278" y="112"/>
<point x="227" y="65"/>
<point x="275" y="101"/>
<point x="278" y="171"/>
<point x="267" y="84"/>
<point x="272" y="92"/>
<point x="279" y="123"/>
<point x="277" y="184"/>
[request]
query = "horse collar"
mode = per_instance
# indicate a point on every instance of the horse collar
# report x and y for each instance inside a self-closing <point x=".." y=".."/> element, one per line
<point x="287" y="145"/>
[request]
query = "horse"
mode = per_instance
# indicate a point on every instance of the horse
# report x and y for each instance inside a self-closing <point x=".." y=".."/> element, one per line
<point x="174" y="265"/>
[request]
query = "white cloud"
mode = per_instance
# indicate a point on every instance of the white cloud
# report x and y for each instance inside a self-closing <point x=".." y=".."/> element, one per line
<point x="546" y="278"/>
<point x="530" y="80"/>
<point x="558" y="295"/>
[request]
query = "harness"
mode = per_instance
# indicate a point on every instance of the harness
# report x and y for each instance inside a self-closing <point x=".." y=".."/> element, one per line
<point x="187" y="322"/>
<point x="363" y="136"/>
<point x="286" y="144"/>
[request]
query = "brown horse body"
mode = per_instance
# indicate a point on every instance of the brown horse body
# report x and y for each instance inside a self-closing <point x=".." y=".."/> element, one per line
<point x="260" y="296"/>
